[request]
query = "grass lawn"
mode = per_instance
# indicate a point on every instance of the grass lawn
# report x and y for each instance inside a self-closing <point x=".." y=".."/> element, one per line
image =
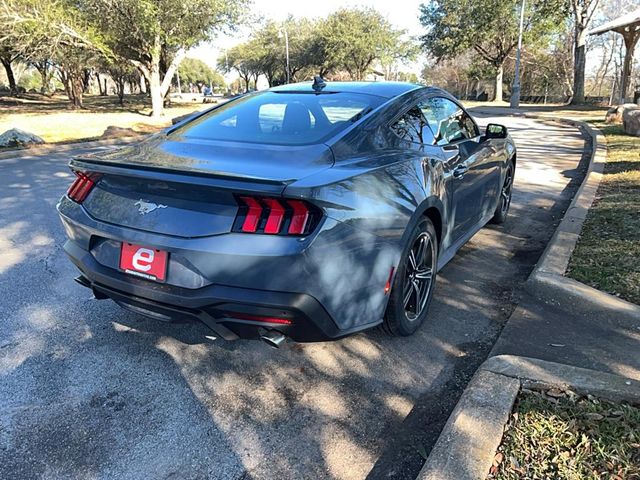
<point x="607" y="255"/>
<point x="51" y="119"/>
<point x="561" y="436"/>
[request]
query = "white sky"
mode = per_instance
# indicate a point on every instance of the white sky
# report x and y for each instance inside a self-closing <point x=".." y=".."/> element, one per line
<point x="402" y="14"/>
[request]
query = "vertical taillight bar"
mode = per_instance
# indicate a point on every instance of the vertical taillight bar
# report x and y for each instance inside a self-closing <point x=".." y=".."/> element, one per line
<point x="276" y="215"/>
<point x="252" y="219"/>
<point x="300" y="217"/>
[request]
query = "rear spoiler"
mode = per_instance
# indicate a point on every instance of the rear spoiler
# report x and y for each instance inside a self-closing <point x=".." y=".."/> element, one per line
<point x="222" y="181"/>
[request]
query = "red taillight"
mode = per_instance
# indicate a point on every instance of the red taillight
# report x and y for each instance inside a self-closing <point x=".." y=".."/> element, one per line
<point x="300" y="217"/>
<point x="274" y="216"/>
<point x="81" y="186"/>
<point x="252" y="219"/>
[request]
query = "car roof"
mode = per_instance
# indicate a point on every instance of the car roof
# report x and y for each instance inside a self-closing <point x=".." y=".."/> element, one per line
<point x="380" y="89"/>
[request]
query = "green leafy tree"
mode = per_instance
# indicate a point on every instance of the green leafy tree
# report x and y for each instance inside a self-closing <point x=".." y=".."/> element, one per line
<point x="154" y="35"/>
<point x="55" y="30"/>
<point x="265" y="52"/>
<point x="121" y="72"/>
<point x="301" y="33"/>
<point x="196" y="72"/>
<point x="245" y="60"/>
<point x="488" y="27"/>
<point x="352" y="39"/>
<point x="398" y="52"/>
<point x="71" y="67"/>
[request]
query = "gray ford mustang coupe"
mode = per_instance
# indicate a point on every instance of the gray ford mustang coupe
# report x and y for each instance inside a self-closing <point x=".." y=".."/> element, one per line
<point x="309" y="211"/>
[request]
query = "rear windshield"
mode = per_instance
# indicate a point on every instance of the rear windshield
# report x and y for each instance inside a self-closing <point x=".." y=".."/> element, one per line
<point x="282" y="118"/>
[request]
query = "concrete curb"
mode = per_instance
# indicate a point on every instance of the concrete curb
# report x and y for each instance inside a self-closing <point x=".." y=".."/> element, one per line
<point x="555" y="258"/>
<point x="535" y="374"/>
<point x="63" y="147"/>
<point x="468" y="442"/>
<point x="467" y="445"/>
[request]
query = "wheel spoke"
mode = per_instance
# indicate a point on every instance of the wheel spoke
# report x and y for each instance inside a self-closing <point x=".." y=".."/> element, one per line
<point x="420" y="253"/>
<point x="417" y="290"/>
<point x="424" y="274"/>
<point x="407" y="296"/>
<point x="412" y="260"/>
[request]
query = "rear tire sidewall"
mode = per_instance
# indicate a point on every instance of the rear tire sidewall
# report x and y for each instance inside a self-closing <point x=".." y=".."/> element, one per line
<point x="396" y="321"/>
<point x="500" y="216"/>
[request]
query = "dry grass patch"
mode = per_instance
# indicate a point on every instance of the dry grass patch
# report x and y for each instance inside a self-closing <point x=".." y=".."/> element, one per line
<point x="51" y="119"/>
<point x="559" y="435"/>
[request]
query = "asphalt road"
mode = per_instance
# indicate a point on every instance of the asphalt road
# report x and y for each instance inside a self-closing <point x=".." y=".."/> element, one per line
<point x="88" y="390"/>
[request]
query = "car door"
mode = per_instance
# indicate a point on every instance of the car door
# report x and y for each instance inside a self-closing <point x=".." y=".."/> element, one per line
<point x="467" y="161"/>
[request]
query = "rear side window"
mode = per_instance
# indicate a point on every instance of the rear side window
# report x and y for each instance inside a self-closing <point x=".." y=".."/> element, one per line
<point x="282" y="118"/>
<point x="413" y="127"/>
<point x="449" y="122"/>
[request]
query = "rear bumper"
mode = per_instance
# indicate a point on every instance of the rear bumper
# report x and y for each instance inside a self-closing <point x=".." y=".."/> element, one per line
<point x="216" y="306"/>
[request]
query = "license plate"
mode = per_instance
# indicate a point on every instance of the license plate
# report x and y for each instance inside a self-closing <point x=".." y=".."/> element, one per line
<point x="145" y="262"/>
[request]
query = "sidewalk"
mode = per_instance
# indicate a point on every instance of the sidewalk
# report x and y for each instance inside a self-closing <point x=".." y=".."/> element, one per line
<point x="564" y="321"/>
<point x="561" y="333"/>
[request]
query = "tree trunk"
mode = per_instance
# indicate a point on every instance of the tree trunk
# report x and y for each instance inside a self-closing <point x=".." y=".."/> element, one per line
<point x="579" y="55"/>
<point x="13" y="87"/>
<point x="44" y="69"/>
<point x="120" y="88"/>
<point x="246" y="82"/>
<point x="155" y="87"/>
<point x="630" y="40"/>
<point x="157" y="99"/>
<point x="77" y="89"/>
<point x="73" y="86"/>
<point x="103" y="91"/>
<point x="86" y="79"/>
<point x="498" y="89"/>
<point x="159" y="83"/>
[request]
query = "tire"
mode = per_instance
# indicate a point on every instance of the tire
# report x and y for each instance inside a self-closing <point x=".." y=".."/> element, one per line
<point x="506" y="192"/>
<point x="406" y="311"/>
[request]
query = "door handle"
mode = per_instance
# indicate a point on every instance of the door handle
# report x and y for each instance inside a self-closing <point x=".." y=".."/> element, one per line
<point x="460" y="170"/>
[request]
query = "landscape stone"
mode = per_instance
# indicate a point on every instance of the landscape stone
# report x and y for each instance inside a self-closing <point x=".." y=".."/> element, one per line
<point x="16" y="138"/>
<point x="631" y="121"/>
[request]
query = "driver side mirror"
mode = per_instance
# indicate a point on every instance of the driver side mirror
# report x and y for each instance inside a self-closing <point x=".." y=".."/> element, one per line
<point x="495" y="130"/>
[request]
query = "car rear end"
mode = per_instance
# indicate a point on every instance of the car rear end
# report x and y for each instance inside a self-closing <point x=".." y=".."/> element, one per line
<point x="190" y="227"/>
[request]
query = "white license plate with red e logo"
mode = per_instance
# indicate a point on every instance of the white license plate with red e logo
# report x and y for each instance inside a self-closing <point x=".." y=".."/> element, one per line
<point x="145" y="262"/>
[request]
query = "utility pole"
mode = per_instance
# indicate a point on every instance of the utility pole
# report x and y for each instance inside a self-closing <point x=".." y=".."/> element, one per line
<point x="286" y="51"/>
<point x="515" y="88"/>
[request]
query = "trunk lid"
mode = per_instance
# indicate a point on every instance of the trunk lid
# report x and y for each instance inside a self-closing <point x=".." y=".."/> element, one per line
<point x="187" y="189"/>
<point x="239" y="160"/>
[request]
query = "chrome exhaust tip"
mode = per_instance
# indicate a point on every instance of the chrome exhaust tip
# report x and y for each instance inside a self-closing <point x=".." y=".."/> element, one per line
<point x="273" y="339"/>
